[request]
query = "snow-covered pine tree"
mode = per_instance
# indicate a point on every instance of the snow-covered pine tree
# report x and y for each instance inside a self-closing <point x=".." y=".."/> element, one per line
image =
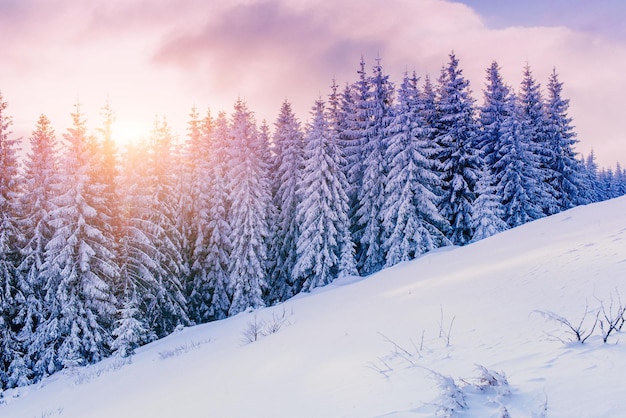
<point x="322" y="211"/>
<point x="14" y="366"/>
<point x="141" y="290"/>
<point x="371" y="193"/>
<point x="129" y="332"/>
<point x="488" y="213"/>
<point x="412" y="225"/>
<point x="40" y="183"/>
<point x="590" y="189"/>
<point x="249" y="198"/>
<point x="560" y="138"/>
<point x="337" y="119"/>
<point x="191" y="221"/>
<point x="286" y="173"/>
<point x="492" y="114"/>
<point x="219" y="245"/>
<point x="357" y="109"/>
<point x="533" y="128"/>
<point x="194" y="221"/>
<point x="79" y="268"/>
<point x="518" y="170"/>
<point x="209" y="297"/>
<point x="460" y="161"/>
<point x="169" y="306"/>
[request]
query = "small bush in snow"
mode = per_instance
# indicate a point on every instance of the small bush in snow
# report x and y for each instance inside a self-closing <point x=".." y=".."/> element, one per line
<point x="609" y="319"/>
<point x="182" y="349"/>
<point x="452" y="398"/>
<point x="258" y="328"/>
<point x="577" y="331"/>
<point x="612" y="317"/>
<point x="489" y="379"/>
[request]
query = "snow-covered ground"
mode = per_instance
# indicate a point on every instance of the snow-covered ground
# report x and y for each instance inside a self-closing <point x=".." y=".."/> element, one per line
<point x="387" y="345"/>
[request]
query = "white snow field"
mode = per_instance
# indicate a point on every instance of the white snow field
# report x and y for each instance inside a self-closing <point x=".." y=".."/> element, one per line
<point x="410" y="341"/>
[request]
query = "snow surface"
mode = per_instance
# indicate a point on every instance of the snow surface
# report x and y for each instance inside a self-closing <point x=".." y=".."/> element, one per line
<point x="379" y="346"/>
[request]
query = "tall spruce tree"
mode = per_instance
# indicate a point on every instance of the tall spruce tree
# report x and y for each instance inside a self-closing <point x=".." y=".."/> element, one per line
<point x="286" y="174"/>
<point x="533" y="128"/>
<point x="411" y="221"/>
<point x="460" y="161"/>
<point x="169" y="306"/>
<point x="79" y="269"/>
<point x="39" y="186"/>
<point x="492" y="115"/>
<point x="219" y="244"/>
<point x="209" y="299"/>
<point x="518" y="170"/>
<point x="371" y="193"/>
<point x="560" y="138"/>
<point x="14" y="367"/>
<point x="324" y="250"/>
<point x="249" y="198"/>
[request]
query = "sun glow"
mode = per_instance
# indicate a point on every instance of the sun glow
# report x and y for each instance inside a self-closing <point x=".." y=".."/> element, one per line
<point x="127" y="133"/>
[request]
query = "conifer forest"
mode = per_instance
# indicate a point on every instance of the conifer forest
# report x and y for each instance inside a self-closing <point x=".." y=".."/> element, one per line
<point x="104" y="250"/>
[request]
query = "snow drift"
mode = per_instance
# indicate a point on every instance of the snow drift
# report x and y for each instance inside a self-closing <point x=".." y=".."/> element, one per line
<point x="459" y="330"/>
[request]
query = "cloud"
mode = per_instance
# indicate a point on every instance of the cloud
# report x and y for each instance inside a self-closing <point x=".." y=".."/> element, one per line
<point x="163" y="56"/>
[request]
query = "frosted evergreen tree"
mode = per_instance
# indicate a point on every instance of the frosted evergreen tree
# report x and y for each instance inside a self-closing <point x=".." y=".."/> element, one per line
<point x="194" y="222"/>
<point x="561" y="139"/>
<point x="141" y="290"/>
<point x="411" y="221"/>
<point x="371" y="193"/>
<point x="590" y="189"/>
<point x="337" y="121"/>
<point x="518" y="171"/>
<point x="14" y="367"/>
<point x="129" y="332"/>
<point x="533" y="127"/>
<point x="193" y="195"/>
<point x="357" y="108"/>
<point x="460" y="161"/>
<point x="79" y="267"/>
<point x="492" y="115"/>
<point x="322" y="210"/>
<point x="39" y="186"/>
<point x="209" y="298"/>
<point x="286" y="173"/>
<point x="249" y="198"/>
<point x="488" y="212"/>
<point x="169" y="306"/>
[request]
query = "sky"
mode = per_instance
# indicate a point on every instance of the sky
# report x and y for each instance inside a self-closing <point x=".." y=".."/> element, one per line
<point x="162" y="57"/>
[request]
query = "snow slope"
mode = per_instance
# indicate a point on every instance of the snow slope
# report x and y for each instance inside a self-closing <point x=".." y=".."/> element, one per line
<point x="380" y="346"/>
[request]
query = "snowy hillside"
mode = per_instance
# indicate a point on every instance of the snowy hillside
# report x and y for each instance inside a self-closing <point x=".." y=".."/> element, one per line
<point x="382" y="346"/>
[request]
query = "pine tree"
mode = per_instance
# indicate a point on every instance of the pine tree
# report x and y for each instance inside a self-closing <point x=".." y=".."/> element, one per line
<point x="79" y="267"/>
<point x="323" y="244"/>
<point x="492" y="115"/>
<point x="39" y="186"/>
<point x="561" y="139"/>
<point x="411" y="221"/>
<point x="249" y="198"/>
<point x="518" y="170"/>
<point x="129" y="332"/>
<point x="286" y="173"/>
<point x="371" y="255"/>
<point x="590" y="188"/>
<point x="14" y="370"/>
<point x="190" y="219"/>
<point x="488" y="211"/>
<point x="169" y="306"/>
<point x="460" y="160"/>
<point x="209" y="298"/>
<point x="533" y="128"/>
